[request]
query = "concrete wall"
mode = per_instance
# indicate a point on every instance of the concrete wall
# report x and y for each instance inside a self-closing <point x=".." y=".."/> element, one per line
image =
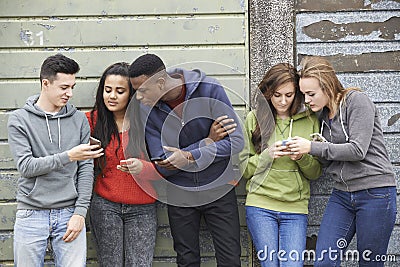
<point x="361" y="39"/>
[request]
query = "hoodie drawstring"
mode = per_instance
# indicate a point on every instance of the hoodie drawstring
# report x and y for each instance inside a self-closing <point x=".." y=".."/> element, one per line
<point x="48" y="128"/>
<point x="341" y="121"/>
<point x="290" y="129"/>
<point x="59" y="131"/>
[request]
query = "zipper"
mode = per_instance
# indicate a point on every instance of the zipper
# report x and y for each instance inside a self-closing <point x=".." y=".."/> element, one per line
<point x="341" y="169"/>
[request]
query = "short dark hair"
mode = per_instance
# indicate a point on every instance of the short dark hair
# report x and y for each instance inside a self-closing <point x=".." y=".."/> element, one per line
<point x="148" y="64"/>
<point x="57" y="64"/>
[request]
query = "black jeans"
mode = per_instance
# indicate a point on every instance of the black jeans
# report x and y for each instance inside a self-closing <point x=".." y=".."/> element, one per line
<point x="125" y="234"/>
<point x="222" y="220"/>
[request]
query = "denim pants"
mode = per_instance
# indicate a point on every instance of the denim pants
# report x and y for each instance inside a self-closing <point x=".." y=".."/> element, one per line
<point x="273" y="232"/>
<point x="222" y="220"/>
<point x="33" y="228"/>
<point x="370" y="213"/>
<point x="125" y="234"/>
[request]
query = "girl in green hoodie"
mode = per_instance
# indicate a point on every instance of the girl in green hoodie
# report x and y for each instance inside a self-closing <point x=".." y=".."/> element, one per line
<point x="278" y="188"/>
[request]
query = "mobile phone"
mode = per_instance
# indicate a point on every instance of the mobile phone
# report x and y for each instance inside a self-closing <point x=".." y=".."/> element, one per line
<point x="284" y="142"/>
<point x="94" y="141"/>
<point x="156" y="159"/>
<point x="123" y="162"/>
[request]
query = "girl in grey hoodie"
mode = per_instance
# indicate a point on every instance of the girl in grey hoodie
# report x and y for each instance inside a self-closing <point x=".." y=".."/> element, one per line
<point x="363" y="199"/>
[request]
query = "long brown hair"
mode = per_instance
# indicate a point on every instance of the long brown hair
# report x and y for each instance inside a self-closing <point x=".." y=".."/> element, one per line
<point x="322" y="70"/>
<point x="275" y="77"/>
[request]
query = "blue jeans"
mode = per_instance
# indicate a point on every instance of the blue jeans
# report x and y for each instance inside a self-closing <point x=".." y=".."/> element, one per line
<point x="125" y="234"/>
<point x="33" y="228"/>
<point x="273" y="231"/>
<point x="371" y="213"/>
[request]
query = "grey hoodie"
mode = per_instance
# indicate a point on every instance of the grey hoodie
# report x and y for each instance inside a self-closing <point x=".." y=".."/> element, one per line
<point x="39" y="143"/>
<point x="355" y="146"/>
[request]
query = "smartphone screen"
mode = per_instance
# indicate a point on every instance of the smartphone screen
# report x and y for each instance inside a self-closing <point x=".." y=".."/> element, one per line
<point x="94" y="141"/>
<point x="156" y="159"/>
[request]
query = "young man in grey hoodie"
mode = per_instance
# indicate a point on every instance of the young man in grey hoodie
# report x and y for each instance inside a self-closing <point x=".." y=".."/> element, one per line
<point x="49" y="139"/>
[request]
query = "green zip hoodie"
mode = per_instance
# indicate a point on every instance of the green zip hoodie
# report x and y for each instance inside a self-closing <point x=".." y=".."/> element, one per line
<point x="280" y="184"/>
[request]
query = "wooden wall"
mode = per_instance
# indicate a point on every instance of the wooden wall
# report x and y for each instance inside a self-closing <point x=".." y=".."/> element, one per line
<point x="233" y="40"/>
<point x="210" y="35"/>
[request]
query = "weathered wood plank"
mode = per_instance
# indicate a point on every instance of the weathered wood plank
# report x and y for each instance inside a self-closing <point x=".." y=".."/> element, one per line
<point x="340" y="5"/>
<point x="6" y="159"/>
<point x="240" y="110"/>
<point x="348" y="26"/>
<point x="164" y="244"/>
<point x="122" y="32"/>
<point x="20" y="8"/>
<point x="7" y="216"/>
<point x="356" y="57"/>
<point x="84" y="92"/>
<point x="8" y="185"/>
<point x="3" y="125"/>
<point x="218" y="60"/>
<point x="391" y="141"/>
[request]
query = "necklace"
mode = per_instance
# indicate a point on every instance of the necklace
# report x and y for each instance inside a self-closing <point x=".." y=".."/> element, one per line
<point x="282" y="131"/>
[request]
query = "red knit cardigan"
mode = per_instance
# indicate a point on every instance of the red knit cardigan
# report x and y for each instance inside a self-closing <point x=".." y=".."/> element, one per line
<point x="121" y="187"/>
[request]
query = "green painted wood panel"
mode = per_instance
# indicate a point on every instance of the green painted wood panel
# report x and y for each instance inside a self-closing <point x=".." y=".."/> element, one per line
<point x="3" y="122"/>
<point x="42" y="8"/>
<point x="85" y="32"/>
<point x="8" y="186"/>
<point x="163" y="248"/>
<point x="84" y="92"/>
<point x="7" y="216"/>
<point x="214" y="60"/>
<point x="6" y="159"/>
<point x="391" y="141"/>
<point x="7" y="210"/>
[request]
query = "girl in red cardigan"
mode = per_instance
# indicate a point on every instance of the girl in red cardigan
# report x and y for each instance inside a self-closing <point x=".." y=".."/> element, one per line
<point x="122" y="211"/>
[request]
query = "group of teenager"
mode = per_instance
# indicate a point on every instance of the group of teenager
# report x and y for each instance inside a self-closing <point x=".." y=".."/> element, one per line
<point x="174" y="134"/>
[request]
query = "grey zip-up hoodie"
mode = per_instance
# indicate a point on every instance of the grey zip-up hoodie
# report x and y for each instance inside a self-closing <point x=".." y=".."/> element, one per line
<point x="355" y="146"/>
<point x="39" y="143"/>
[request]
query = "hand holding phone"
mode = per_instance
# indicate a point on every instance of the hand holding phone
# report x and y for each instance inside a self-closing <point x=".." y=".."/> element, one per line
<point x="153" y="159"/>
<point x="94" y="141"/>
<point x="132" y="166"/>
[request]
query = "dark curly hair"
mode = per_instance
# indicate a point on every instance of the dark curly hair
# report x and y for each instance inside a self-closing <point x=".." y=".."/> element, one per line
<point x="147" y="64"/>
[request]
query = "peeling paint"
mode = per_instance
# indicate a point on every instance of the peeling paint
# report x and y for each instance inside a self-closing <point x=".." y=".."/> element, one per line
<point x="25" y="36"/>
<point x="328" y="31"/>
<point x="385" y="61"/>
<point x="213" y="28"/>
<point x="47" y="26"/>
<point x="329" y="5"/>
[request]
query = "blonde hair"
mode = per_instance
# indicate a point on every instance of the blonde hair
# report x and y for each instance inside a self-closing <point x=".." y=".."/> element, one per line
<point x="322" y="70"/>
